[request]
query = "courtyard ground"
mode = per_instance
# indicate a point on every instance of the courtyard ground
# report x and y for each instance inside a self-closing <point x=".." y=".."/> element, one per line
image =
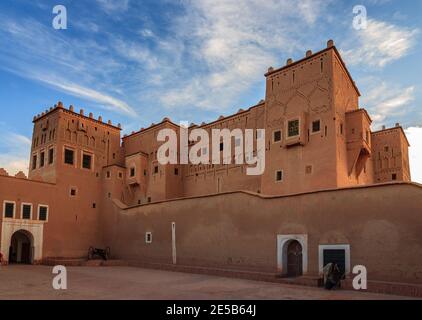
<point x="35" y="282"/>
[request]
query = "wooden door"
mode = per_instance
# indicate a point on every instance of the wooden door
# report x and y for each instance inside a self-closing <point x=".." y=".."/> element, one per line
<point x="294" y="259"/>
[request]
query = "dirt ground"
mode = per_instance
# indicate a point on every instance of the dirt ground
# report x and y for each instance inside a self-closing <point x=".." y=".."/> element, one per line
<point x="35" y="282"/>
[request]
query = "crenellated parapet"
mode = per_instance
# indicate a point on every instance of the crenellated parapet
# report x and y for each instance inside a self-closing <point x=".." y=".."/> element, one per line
<point x="81" y="114"/>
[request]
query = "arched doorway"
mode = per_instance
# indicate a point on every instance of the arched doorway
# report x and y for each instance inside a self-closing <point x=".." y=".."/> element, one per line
<point x="294" y="259"/>
<point x="21" y="247"/>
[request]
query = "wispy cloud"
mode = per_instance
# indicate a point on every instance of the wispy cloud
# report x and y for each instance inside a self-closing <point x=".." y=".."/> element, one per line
<point x="113" y="6"/>
<point x="14" y="153"/>
<point x="74" y="89"/>
<point x="386" y="101"/>
<point x="69" y="65"/>
<point x="232" y="44"/>
<point x="381" y="43"/>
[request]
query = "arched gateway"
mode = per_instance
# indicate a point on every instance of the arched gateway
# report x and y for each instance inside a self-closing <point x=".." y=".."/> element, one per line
<point x="21" y="241"/>
<point x="21" y="249"/>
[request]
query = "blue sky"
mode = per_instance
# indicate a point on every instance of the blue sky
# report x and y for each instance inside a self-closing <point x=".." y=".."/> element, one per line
<point x="135" y="62"/>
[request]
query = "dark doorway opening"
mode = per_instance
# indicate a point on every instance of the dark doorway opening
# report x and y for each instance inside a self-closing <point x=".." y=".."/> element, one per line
<point x="20" y="250"/>
<point x="294" y="259"/>
<point x="337" y="256"/>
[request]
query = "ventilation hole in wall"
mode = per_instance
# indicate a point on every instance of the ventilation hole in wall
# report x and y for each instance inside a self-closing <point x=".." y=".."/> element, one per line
<point x="308" y="169"/>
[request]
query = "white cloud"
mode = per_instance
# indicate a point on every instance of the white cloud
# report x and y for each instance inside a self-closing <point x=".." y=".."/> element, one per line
<point x="89" y="94"/>
<point x="386" y="101"/>
<point x="414" y="135"/>
<point x="232" y="44"/>
<point x="380" y="43"/>
<point x="16" y="155"/>
<point x="113" y="6"/>
<point x="70" y="66"/>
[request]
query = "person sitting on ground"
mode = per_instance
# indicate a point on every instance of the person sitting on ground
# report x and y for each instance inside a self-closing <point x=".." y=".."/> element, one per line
<point x="332" y="276"/>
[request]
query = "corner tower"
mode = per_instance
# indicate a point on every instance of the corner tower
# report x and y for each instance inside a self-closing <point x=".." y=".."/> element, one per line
<point x="301" y="124"/>
<point x="66" y="143"/>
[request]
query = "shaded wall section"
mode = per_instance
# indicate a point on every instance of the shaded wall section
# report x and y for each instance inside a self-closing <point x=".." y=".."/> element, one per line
<point x="381" y="223"/>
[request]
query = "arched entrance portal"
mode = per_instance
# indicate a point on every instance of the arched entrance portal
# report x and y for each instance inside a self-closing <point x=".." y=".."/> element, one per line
<point x="21" y="247"/>
<point x="294" y="259"/>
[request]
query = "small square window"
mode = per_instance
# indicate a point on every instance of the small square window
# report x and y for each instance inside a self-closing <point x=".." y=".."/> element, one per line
<point x="108" y="174"/>
<point x="155" y="169"/>
<point x="279" y="175"/>
<point x="86" y="161"/>
<point x="277" y="136"/>
<point x="316" y="126"/>
<point x="176" y="171"/>
<point x="293" y="128"/>
<point x="394" y="176"/>
<point x="120" y="175"/>
<point x="148" y="237"/>
<point x="42" y="213"/>
<point x="94" y="205"/>
<point x="386" y="148"/>
<point x="145" y="172"/>
<point x="26" y="211"/>
<point x="9" y="210"/>
<point x="72" y="192"/>
<point x="149" y="199"/>
<point x="308" y="169"/>
<point x="69" y="156"/>
<point x="132" y="171"/>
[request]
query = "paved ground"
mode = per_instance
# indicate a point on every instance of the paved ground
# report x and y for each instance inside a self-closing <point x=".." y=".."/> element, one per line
<point x="35" y="282"/>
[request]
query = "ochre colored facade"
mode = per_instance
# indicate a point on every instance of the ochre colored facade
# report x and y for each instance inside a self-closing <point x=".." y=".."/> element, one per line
<point x="331" y="187"/>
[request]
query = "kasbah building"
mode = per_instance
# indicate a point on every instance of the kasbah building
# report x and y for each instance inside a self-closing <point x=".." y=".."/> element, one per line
<point x="332" y="190"/>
